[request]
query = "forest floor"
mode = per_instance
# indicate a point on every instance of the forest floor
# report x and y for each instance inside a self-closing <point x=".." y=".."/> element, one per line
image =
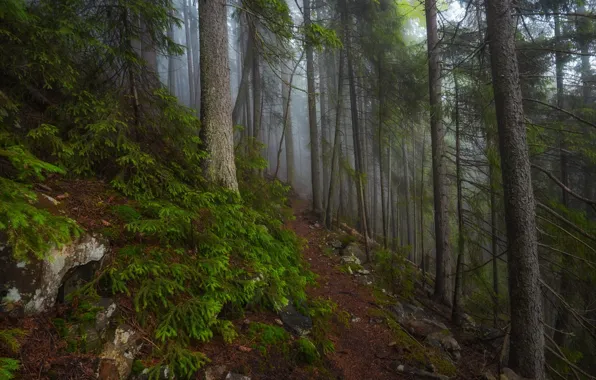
<point x="365" y="347"/>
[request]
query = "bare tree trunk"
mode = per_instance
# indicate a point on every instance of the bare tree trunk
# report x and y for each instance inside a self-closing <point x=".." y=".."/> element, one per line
<point x="194" y="39"/>
<point x="562" y="319"/>
<point x="356" y="132"/>
<point x="381" y="110"/>
<point x="315" y="148"/>
<point x="438" y="150"/>
<point x="216" y="102"/>
<point x="172" y="67"/>
<point x="457" y="312"/>
<point x="336" y="141"/>
<point x="256" y="82"/>
<point x="408" y="200"/>
<point x="242" y="98"/>
<point x="493" y="229"/>
<point x="526" y="349"/>
<point x="191" y="76"/>
<point x="286" y="88"/>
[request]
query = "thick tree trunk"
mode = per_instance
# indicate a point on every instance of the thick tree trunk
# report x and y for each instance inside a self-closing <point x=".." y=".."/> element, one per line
<point x="438" y="150"/>
<point x="526" y="349"/>
<point x="315" y="142"/>
<point x="216" y="103"/>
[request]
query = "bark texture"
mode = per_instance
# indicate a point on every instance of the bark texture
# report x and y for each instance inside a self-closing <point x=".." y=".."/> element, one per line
<point x="526" y="351"/>
<point x="216" y="101"/>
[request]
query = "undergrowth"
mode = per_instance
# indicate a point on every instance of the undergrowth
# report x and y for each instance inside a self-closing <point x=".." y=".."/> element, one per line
<point x="188" y="249"/>
<point x="10" y="339"/>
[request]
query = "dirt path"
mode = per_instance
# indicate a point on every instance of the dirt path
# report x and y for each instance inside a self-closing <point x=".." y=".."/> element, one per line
<point x="363" y="348"/>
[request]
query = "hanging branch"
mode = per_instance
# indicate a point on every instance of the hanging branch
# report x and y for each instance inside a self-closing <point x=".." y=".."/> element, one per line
<point x="591" y="202"/>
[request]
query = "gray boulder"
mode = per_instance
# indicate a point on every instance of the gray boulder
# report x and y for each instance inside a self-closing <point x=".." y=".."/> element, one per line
<point x="354" y="249"/>
<point x="34" y="286"/>
<point x="123" y="344"/>
<point x="298" y="323"/>
<point x="445" y="341"/>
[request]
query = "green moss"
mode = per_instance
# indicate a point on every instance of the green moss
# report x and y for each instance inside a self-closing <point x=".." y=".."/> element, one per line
<point x="417" y="354"/>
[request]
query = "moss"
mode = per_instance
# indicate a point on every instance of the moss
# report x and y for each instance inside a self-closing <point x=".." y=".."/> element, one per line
<point x="416" y="353"/>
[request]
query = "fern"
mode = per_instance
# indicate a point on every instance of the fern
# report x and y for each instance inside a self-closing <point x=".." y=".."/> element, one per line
<point x="8" y="368"/>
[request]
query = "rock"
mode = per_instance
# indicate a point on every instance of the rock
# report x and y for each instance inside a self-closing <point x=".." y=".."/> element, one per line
<point x="406" y="311"/>
<point x="123" y="343"/>
<point x="164" y="374"/>
<point x="235" y="376"/>
<point x="353" y="249"/>
<point x="363" y="271"/>
<point x="509" y="374"/>
<point x="294" y="321"/>
<point x="35" y="285"/>
<point x="215" y="373"/>
<point x="350" y="260"/>
<point x="423" y="327"/>
<point x="418" y="373"/>
<point x="446" y="342"/>
<point x="108" y="308"/>
<point x="488" y="376"/>
<point x="335" y="244"/>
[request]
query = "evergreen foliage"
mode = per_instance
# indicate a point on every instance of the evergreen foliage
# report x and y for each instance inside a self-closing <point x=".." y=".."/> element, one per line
<point x="78" y="101"/>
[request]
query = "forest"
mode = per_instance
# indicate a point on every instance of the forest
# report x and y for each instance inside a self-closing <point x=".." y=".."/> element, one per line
<point x="183" y="159"/>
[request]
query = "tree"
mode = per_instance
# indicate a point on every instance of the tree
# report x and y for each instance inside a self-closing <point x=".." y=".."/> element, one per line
<point x="315" y="147"/>
<point x="526" y="351"/>
<point x="216" y="102"/>
<point x="438" y="150"/>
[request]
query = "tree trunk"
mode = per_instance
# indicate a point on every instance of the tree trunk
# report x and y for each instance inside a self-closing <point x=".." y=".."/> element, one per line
<point x="256" y="82"/>
<point x="355" y="129"/>
<point x="382" y="180"/>
<point x="456" y="314"/>
<point x="438" y="150"/>
<point x="242" y="98"/>
<point x="190" y="65"/>
<point x="216" y="102"/>
<point x="336" y="141"/>
<point x="408" y="200"/>
<point x="194" y="39"/>
<point x="526" y="349"/>
<point x="562" y="319"/>
<point x="172" y="59"/>
<point x="493" y="183"/>
<point x="315" y="150"/>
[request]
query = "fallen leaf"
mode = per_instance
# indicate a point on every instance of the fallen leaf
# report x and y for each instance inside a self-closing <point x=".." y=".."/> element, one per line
<point x="62" y="196"/>
<point x="244" y="349"/>
<point x="106" y="223"/>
